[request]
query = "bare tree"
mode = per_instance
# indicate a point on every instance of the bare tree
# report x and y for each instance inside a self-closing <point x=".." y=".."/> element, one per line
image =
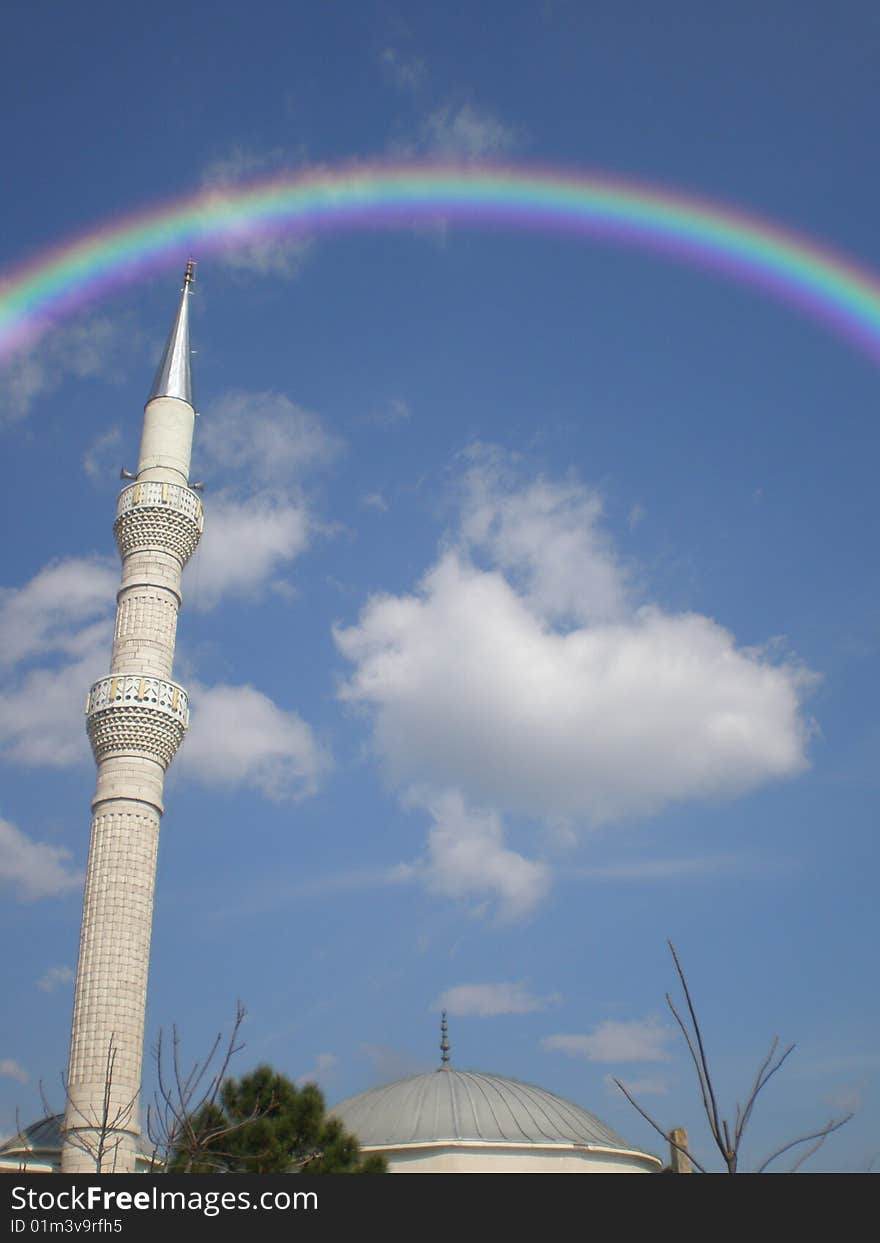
<point x="100" y="1131"/>
<point x="185" y="1121"/>
<point x="728" y="1139"/>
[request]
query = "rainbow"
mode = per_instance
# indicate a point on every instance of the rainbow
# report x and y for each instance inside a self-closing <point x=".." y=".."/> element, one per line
<point x="809" y="277"/>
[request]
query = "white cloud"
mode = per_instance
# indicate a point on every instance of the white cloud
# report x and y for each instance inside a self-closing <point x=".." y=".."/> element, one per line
<point x="467" y="857"/>
<point x="638" y="1040"/>
<point x="488" y="1000"/>
<point x="535" y="686"/>
<point x="464" y="132"/>
<point x="395" y="411"/>
<point x="649" y="871"/>
<point x="325" y="1064"/>
<point x="63" y="616"/>
<point x="846" y="1100"/>
<point x="246" y="545"/>
<point x="648" y="1085"/>
<point x="248" y="252"/>
<point x="55" y="977"/>
<point x="390" y="1064"/>
<point x="261" y="445"/>
<point x="41" y="716"/>
<point x="375" y="500"/>
<point x="264" y="438"/>
<point x="238" y="736"/>
<point x="57" y="610"/>
<point x="405" y="72"/>
<point x="84" y="349"/>
<point x="101" y="459"/>
<point x="10" y="1069"/>
<point x="267" y="255"/>
<point x="547" y="538"/>
<point x="635" y="516"/>
<point x="34" y="869"/>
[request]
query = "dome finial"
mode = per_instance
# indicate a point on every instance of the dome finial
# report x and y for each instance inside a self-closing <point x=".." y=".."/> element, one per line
<point x="444" y="1041"/>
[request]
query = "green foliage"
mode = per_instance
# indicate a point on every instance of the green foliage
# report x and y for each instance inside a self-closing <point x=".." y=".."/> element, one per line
<point x="265" y="1124"/>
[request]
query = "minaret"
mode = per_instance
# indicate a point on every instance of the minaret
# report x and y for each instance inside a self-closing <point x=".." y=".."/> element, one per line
<point x="136" y="718"/>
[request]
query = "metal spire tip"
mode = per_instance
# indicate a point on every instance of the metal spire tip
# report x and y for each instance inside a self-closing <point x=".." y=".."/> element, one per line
<point x="444" y="1041"/>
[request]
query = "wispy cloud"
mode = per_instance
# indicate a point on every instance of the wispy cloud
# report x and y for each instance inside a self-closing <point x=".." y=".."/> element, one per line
<point x="467" y="132"/>
<point x="248" y="253"/>
<point x="395" y="410"/>
<point x="10" y="1069"/>
<point x="86" y="349"/>
<point x="375" y="500"/>
<point x="638" y="1040"/>
<point x="248" y="544"/>
<point x="34" y="870"/>
<point x="650" y="871"/>
<point x="101" y="459"/>
<point x="275" y="893"/>
<point x="54" y="978"/>
<point x="404" y="71"/>
<point x="390" y="1064"/>
<point x="467" y="858"/>
<point x="266" y="439"/>
<point x="836" y="1063"/>
<point x="846" y="1100"/>
<point x="325" y="1064"/>
<point x="489" y="1000"/>
<point x="55" y="634"/>
<point x="464" y="131"/>
<point x="261" y="521"/>
<point x="56" y="631"/>
<point x="648" y="1085"/>
<point x="57" y="610"/>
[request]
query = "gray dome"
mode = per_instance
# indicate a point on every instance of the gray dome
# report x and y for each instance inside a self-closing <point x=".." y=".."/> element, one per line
<point x="453" y="1105"/>
<point x="44" y="1137"/>
<point x="41" y="1136"/>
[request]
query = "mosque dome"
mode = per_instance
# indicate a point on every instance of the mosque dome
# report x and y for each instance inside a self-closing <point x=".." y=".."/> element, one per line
<point x="449" y="1121"/>
<point x="37" y="1150"/>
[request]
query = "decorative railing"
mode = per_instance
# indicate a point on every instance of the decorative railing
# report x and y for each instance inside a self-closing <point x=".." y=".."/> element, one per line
<point x="152" y="493"/>
<point x="159" y="515"/>
<point x="131" y="715"/>
<point x="130" y="688"/>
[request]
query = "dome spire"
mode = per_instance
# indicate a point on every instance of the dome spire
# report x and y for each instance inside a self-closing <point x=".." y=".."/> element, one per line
<point x="173" y="375"/>
<point x="444" y="1042"/>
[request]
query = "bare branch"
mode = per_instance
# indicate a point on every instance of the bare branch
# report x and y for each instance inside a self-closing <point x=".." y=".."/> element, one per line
<point x="100" y="1132"/>
<point x="659" y="1128"/>
<point x="707" y="1109"/>
<point x="729" y="1144"/>
<point x="180" y="1125"/>
<point x="763" y="1077"/>
<point x="804" y="1139"/>
<point x="714" y="1120"/>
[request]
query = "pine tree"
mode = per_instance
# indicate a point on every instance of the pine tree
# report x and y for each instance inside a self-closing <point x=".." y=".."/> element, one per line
<point x="265" y="1124"/>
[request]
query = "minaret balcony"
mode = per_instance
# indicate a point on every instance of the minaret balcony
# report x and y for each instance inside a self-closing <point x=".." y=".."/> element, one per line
<point x="132" y="715"/>
<point x="164" y="516"/>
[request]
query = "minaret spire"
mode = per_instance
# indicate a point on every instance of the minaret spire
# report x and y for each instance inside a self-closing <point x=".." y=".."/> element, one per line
<point x="136" y="717"/>
<point x="173" y="378"/>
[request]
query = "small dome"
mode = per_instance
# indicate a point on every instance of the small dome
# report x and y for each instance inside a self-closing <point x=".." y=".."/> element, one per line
<point x="452" y="1106"/>
<point x="37" y="1148"/>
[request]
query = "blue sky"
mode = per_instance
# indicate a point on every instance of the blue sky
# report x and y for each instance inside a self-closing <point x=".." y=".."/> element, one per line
<point x="536" y="617"/>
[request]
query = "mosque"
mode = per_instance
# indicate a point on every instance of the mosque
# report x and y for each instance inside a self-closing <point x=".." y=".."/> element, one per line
<point x="445" y="1121"/>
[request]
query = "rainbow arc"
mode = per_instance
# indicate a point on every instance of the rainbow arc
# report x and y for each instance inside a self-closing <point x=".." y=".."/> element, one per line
<point x="811" y="278"/>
